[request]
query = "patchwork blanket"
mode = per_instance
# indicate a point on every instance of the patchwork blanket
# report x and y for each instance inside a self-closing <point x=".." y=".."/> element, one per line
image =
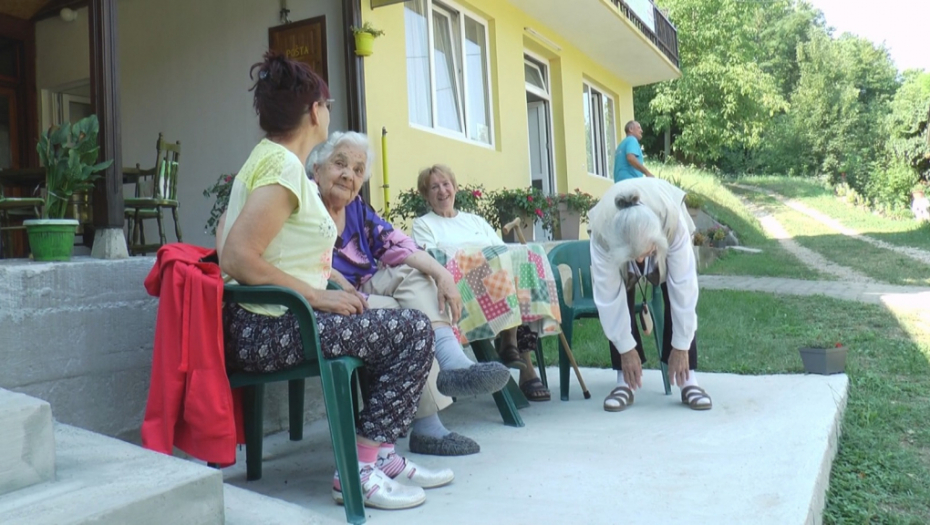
<point x="502" y="287"/>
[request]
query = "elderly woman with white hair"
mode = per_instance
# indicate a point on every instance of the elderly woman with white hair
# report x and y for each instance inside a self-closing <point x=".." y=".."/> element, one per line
<point x="640" y="230"/>
<point x="387" y="270"/>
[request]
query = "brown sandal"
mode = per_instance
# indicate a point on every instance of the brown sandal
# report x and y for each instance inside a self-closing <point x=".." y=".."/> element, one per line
<point x="622" y="395"/>
<point x="692" y="395"/>
<point x="511" y="357"/>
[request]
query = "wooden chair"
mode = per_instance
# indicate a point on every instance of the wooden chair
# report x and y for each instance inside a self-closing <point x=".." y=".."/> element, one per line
<point x="19" y="207"/>
<point x="156" y="189"/>
<point x="577" y="256"/>
<point x="336" y="376"/>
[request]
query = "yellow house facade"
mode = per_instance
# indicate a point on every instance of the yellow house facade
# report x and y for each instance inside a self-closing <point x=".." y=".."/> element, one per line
<point x="508" y="94"/>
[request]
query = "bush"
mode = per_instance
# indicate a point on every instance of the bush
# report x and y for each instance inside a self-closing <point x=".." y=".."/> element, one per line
<point x="409" y="204"/>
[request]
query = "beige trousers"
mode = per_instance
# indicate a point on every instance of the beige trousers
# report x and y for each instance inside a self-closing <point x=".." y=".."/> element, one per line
<point x="405" y="287"/>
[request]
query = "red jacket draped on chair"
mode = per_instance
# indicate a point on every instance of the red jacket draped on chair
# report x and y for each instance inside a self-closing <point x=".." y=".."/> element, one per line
<point x="190" y="403"/>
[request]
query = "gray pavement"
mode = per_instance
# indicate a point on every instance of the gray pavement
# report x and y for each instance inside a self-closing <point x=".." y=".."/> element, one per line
<point x="875" y="293"/>
<point x="757" y="457"/>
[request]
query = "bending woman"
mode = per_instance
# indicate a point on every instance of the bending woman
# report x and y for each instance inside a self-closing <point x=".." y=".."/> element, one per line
<point x="277" y="232"/>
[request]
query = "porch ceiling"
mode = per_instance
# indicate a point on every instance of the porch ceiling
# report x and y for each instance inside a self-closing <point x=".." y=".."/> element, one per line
<point x="24" y="9"/>
<point x="599" y="30"/>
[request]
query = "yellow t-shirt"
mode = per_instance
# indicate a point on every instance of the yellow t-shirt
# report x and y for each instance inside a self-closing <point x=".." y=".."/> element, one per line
<point x="304" y="246"/>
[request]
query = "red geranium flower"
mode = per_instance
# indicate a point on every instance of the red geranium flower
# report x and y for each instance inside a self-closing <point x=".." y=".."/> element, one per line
<point x="549" y="201"/>
<point x="838" y="345"/>
<point x="476" y="193"/>
<point x="529" y="198"/>
<point x="539" y="212"/>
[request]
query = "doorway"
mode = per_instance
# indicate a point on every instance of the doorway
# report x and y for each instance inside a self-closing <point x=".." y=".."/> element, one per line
<point x="539" y="129"/>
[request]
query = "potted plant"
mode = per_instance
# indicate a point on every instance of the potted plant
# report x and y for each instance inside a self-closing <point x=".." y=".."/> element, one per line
<point x="530" y="204"/>
<point x="365" y="38"/>
<point x="572" y="209"/>
<point x="824" y="360"/>
<point x="693" y="202"/>
<point x="717" y="236"/>
<point x="222" y="188"/>
<point x="69" y="154"/>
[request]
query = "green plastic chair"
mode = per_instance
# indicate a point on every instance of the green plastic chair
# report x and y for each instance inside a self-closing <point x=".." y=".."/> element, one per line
<point x="336" y="375"/>
<point x="577" y="256"/>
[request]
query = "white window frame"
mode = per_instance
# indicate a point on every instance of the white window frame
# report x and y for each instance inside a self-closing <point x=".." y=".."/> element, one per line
<point x="445" y="8"/>
<point x="603" y="162"/>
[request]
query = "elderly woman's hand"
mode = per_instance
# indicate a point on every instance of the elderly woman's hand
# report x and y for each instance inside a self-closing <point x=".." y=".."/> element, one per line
<point x="338" y="302"/>
<point x="449" y="296"/>
<point x="678" y="367"/>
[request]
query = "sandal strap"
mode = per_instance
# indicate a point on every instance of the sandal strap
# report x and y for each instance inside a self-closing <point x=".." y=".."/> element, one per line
<point x="692" y="394"/>
<point x="621" y="394"/>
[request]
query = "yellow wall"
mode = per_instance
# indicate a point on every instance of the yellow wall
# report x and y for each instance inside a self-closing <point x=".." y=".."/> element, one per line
<point x="506" y="164"/>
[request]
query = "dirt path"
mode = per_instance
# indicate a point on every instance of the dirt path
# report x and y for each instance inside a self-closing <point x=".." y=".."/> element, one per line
<point x="917" y="254"/>
<point x="808" y="257"/>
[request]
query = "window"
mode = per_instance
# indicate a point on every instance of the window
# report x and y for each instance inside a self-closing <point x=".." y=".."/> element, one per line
<point x="448" y="86"/>
<point x="600" y="131"/>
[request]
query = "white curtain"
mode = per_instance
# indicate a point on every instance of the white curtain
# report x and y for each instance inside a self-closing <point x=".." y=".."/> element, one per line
<point x="419" y="94"/>
<point x="610" y="126"/>
<point x="479" y="120"/>
<point x="448" y="103"/>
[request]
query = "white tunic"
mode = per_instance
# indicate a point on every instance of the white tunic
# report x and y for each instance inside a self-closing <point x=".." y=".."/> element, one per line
<point x="464" y="229"/>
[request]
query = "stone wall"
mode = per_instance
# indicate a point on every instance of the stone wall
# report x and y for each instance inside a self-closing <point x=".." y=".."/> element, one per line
<point x="79" y="335"/>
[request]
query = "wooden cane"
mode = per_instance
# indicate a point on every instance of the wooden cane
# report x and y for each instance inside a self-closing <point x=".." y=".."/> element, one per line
<point x="517" y="224"/>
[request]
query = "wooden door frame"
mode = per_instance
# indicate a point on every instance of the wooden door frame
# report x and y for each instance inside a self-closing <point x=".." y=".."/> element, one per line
<point x="27" y="110"/>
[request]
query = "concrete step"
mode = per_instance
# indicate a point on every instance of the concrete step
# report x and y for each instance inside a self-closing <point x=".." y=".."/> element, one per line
<point x="244" y="507"/>
<point x="105" y="481"/>
<point x="27" y="442"/>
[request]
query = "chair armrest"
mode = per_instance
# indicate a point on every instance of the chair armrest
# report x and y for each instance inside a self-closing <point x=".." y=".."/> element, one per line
<point x="333" y="285"/>
<point x="293" y="301"/>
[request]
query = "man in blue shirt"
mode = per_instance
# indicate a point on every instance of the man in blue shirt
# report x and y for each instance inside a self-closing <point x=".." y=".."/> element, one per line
<point x="628" y="161"/>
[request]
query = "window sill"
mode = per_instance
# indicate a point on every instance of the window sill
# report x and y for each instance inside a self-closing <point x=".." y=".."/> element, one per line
<point x="451" y="135"/>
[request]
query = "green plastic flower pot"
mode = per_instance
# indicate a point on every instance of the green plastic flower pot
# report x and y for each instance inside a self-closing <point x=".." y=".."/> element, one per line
<point x="51" y="239"/>
<point x="364" y="44"/>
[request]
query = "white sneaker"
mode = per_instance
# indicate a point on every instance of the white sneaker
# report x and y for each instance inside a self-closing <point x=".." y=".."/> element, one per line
<point x="417" y="476"/>
<point x="381" y="492"/>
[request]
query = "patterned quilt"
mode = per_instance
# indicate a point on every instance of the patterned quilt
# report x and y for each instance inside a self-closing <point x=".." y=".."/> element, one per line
<point x="502" y="287"/>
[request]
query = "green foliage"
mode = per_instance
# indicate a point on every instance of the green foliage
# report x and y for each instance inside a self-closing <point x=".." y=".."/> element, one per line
<point x="693" y="200"/>
<point x="577" y="201"/>
<point x="529" y="203"/>
<point x="69" y="154"/>
<point x="367" y="28"/>
<point x="908" y="127"/>
<point x="221" y="189"/>
<point x="409" y="204"/>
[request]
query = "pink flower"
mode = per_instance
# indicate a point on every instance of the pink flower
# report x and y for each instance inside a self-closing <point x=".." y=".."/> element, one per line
<point x="529" y="198"/>
<point x="549" y="201"/>
<point x="838" y="345"/>
<point x="539" y="212"/>
<point x="227" y="178"/>
<point x="476" y="194"/>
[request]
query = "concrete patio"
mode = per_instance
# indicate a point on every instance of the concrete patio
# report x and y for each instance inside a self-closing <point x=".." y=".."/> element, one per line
<point x="761" y="456"/>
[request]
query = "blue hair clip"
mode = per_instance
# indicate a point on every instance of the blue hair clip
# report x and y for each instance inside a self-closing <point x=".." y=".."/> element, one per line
<point x="263" y="74"/>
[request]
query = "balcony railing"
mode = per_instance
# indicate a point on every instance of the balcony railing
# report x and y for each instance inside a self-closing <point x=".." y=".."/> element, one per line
<point x="665" y="36"/>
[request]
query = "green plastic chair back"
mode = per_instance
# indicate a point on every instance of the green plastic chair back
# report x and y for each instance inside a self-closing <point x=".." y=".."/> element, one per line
<point x="577" y="256"/>
<point x="336" y="376"/>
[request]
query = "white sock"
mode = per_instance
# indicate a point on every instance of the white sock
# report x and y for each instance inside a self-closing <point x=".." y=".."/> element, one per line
<point x="613" y="403"/>
<point x="449" y="351"/>
<point x="430" y="426"/>
<point x="692" y="381"/>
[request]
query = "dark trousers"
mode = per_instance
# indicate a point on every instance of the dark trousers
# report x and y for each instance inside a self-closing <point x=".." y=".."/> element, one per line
<point x="666" y="334"/>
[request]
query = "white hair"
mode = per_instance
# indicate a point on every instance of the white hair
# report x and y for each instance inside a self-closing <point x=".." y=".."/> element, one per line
<point x="633" y="231"/>
<point x="324" y="151"/>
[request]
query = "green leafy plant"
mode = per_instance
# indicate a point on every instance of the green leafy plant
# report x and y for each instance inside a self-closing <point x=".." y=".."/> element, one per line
<point x="69" y="154"/>
<point x="410" y="204"/>
<point x="367" y="28"/>
<point x="699" y="239"/>
<point x="717" y="233"/>
<point x="221" y="189"/>
<point x="693" y="200"/>
<point x="531" y="203"/>
<point x="577" y="201"/>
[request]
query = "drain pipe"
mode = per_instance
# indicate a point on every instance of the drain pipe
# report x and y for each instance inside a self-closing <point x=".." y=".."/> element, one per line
<point x="384" y="171"/>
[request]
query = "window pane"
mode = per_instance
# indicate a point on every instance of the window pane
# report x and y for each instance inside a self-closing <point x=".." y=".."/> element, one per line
<point x="588" y="131"/>
<point x="610" y="126"/>
<point x="534" y="76"/>
<point x="476" y="55"/>
<point x="419" y="94"/>
<point x="448" y="101"/>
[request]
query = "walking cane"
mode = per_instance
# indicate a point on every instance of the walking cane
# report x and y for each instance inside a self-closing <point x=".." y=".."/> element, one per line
<point x="517" y="226"/>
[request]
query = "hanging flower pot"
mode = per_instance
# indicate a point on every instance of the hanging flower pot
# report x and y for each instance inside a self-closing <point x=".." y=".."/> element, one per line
<point x="365" y="39"/>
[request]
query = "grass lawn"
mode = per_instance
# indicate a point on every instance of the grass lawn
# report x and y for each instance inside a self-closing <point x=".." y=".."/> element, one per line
<point x="721" y="203"/>
<point x="883" y="464"/>
<point x="811" y="193"/>
<point x="880" y="264"/>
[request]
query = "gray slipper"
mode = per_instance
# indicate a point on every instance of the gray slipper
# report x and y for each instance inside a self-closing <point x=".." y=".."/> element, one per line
<point x="479" y="378"/>
<point x="451" y="445"/>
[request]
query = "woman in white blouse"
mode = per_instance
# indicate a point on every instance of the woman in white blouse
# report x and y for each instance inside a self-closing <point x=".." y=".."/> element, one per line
<point x="641" y="229"/>
<point x="445" y="226"/>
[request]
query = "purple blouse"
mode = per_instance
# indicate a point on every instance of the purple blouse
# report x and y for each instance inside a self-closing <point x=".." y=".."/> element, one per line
<point x="366" y="241"/>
